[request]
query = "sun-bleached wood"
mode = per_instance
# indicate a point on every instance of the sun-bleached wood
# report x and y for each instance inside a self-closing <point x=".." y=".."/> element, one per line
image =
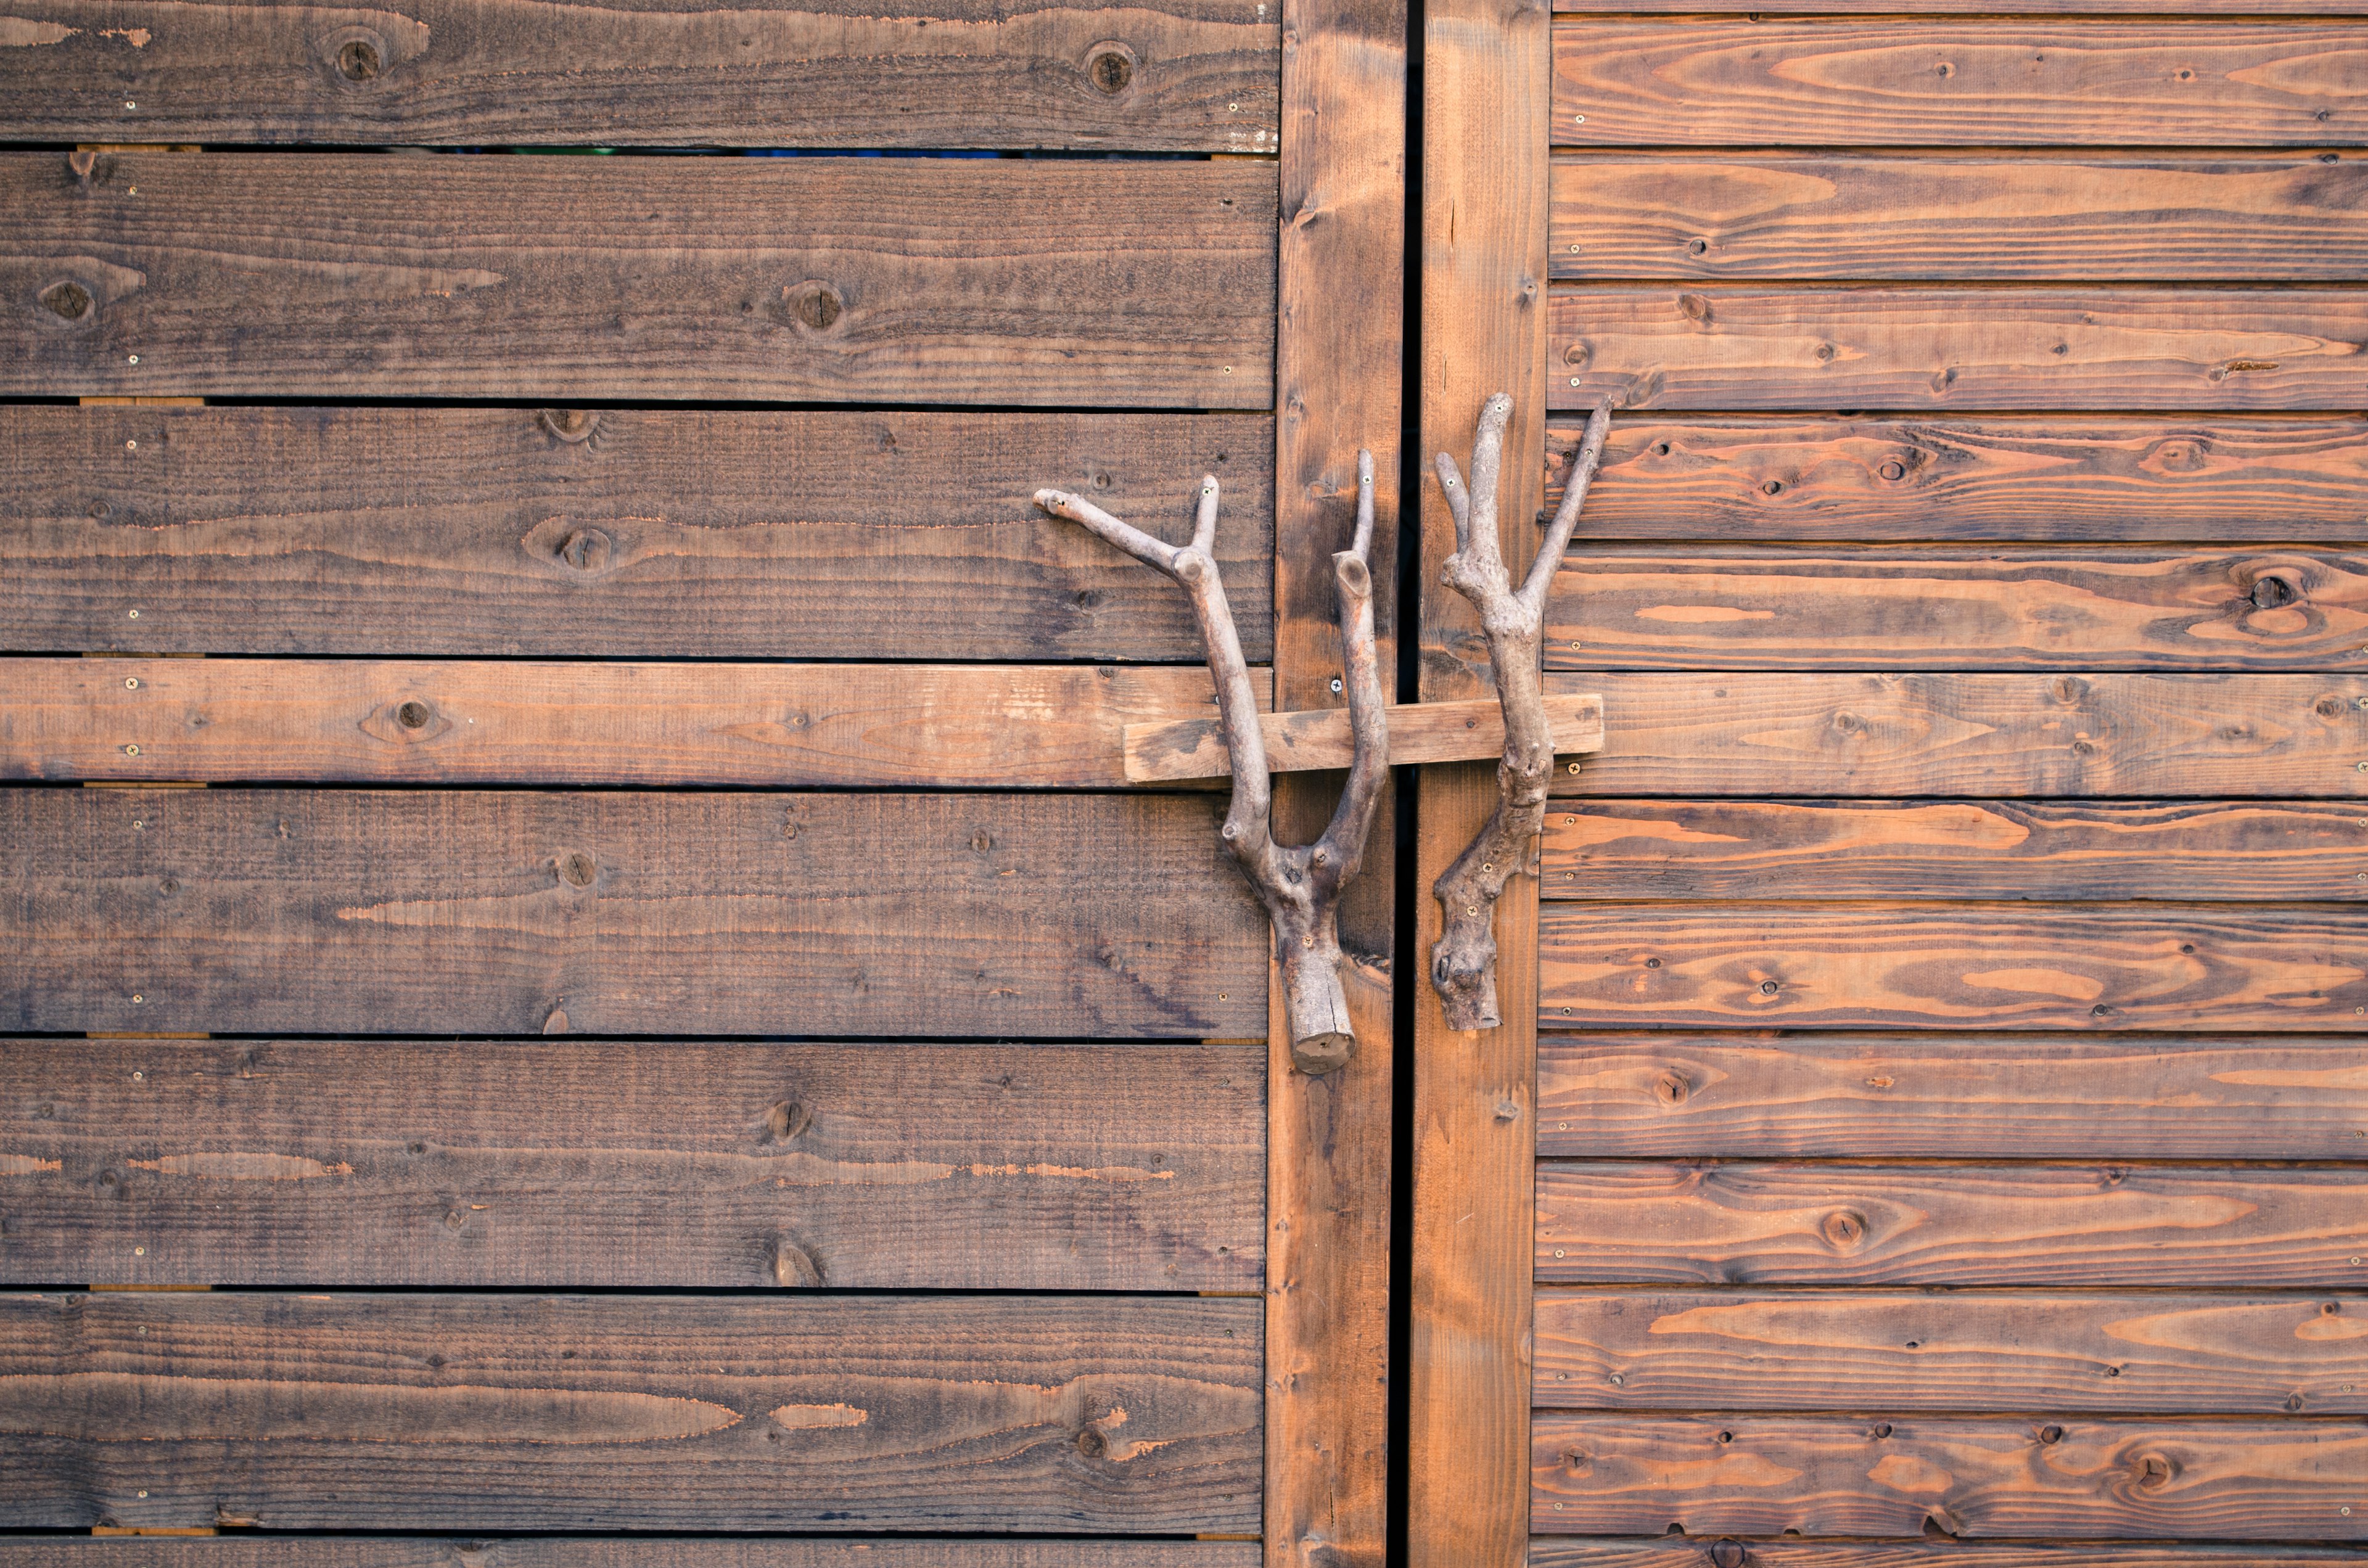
<point x="1320" y="737"/>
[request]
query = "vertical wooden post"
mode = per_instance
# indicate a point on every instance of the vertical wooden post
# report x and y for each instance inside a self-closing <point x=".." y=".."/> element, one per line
<point x="1488" y="78"/>
<point x="1340" y="334"/>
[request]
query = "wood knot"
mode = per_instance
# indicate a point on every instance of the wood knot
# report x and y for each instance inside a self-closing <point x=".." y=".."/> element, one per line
<point x="1574" y="1463"/>
<point x="1729" y="1554"/>
<point x="2154" y="1472"/>
<point x="67" y="301"/>
<point x="412" y="715"/>
<point x="1673" y="1088"/>
<point x="1109" y="66"/>
<point x="785" y="1119"/>
<point x="358" y="60"/>
<point x="793" y="1266"/>
<point x="1695" y="307"/>
<point x="2270" y="591"/>
<point x="584" y="549"/>
<point x="573" y="425"/>
<point x="2051" y="1433"/>
<point x="1843" y="1230"/>
<point x="1092" y="1443"/>
<point x="577" y="869"/>
<point x="1894" y="470"/>
<point x="356" y="56"/>
<point x="813" y="307"/>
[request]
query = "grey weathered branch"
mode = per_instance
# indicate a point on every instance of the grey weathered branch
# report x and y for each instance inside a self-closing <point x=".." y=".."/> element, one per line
<point x="1464" y="961"/>
<point x="1300" y="887"/>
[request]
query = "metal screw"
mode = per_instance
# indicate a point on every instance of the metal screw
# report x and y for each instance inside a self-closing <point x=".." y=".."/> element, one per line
<point x="135" y="615"/>
<point x="1557" y="1252"/>
<point x="1335" y="686"/>
<point x="129" y="104"/>
<point x="1617" y="1380"/>
<point x="1578" y="120"/>
<point x="130" y="683"/>
<point x="139" y="1251"/>
<point x="1573" y="767"/>
<point x="131" y="446"/>
<point x="131" y="751"/>
<point x="139" y="1077"/>
<point x="1574" y="380"/>
<point x="134" y="359"/>
<point x="136" y="996"/>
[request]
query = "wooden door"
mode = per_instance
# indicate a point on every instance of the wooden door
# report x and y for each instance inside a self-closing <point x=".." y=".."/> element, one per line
<point x="581" y="959"/>
<point x="1940" y="1128"/>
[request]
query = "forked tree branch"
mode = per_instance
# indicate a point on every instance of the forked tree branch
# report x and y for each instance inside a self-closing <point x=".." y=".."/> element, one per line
<point x="1300" y="887"/>
<point x="1464" y="961"/>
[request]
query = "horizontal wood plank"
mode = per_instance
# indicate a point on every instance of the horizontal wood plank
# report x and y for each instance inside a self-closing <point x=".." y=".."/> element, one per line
<point x="1181" y="75"/>
<point x="1995" y="736"/>
<point x="674" y="1164"/>
<point x="1965" y="966"/>
<point x="1754" y="1223"/>
<point x="822" y="280"/>
<point x="1972" y="1097"/>
<point x="350" y="912"/>
<point x="651" y="1413"/>
<point x="611" y="1551"/>
<point x="1822" y="346"/>
<point x="439" y="723"/>
<point x="2212" y="851"/>
<point x="1319" y="737"/>
<point x="616" y="532"/>
<point x="1936" y="1551"/>
<point x="2219" y="1353"/>
<point x="1973" y="1476"/>
<point x="2002" y="81"/>
<point x="2028" y="478"/>
<point x="1897" y="608"/>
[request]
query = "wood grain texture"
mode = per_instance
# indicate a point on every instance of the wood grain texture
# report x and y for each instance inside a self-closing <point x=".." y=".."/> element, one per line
<point x="1911" y="608"/>
<point x="2320" y="9"/>
<point x="1003" y="1414"/>
<point x="670" y="1163"/>
<point x="1905" y="347"/>
<point x="646" y="1551"/>
<point x="616" y="532"/>
<point x="412" y="722"/>
<point x="2141" y="1097"/>
<point x="1978" y="1476"/>
<point x="1684" y="1551"/>
<point x="1755" y="1223"/>
<point x="2028" y="478"/>
<point x="1969" y="966"/>
<point x="1315" y="738"/>
<point x="1998" y="735"/>
<point x="2031" y="216"/>
<point x="1194" y="75"/>
<point x="822" y="280"/>
<point x="2217" y="1354"/>
<point x="516" y="912"/>
<point x="1999" y="81"/>
<point x="2238" y="852"/>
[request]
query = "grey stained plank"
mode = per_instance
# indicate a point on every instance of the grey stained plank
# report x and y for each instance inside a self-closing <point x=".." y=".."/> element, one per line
<point x="679" y="1163"/>
<point x="612" y="1551"/>
<point x="350" y="912"/>
<point x="828" y="279"/>
<point x="1124" y="1416"/>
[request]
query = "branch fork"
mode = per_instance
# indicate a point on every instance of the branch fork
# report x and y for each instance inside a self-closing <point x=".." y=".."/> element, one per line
<point x="1300" y="887"/>
<point x="1463" y="960"/>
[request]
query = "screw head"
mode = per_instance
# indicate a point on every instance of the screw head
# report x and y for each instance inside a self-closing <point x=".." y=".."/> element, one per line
<point x="130" y="683"/>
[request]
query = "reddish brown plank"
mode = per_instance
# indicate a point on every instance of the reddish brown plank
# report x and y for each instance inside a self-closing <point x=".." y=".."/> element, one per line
<point x="1939" y="1551"/>
<point x="2312" y="8"/>
<point x="616" y="532"/>
<point x="595" y="1551"/>
<point x="2008" y="1096"/>
<point x="2022" y="477"/>
<point x="2234" y="1354"/>
<point x="1822" y="346"/>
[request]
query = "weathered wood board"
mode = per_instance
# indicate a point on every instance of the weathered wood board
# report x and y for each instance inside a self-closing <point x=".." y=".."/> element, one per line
<point x="1126" y="1415"/>
<point x="1942" y="1095"/>
<point x="339" y="275"/>
<point x="1937" y="1551"/>
<point x="1317" y="738"/>
<point x="673" y="1164"/>
<point x="586" y="531"/>
<point x="518" y="913"/>
<point x="617" y="1551"/>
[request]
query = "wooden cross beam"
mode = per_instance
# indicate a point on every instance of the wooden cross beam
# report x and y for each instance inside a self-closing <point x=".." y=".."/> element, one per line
<point x="1318" y="738"/>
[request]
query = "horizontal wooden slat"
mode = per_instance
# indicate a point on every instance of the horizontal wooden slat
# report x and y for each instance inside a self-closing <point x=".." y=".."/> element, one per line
<point x="2008" y="1224"/>
<point x="1181" y="75"/>
<point x="1820" y="347"/>
<point x="1938" y="1551"/>
<point x="2118" y="217"/>
<point x="350" y="912"/>
<point x="611" y="1551"/>
<point x="1981" y="1476"/>
<point x="2234" y="851"/>
<point x="408" y="722"/>
<point x="1319" y="738"/>
<point x="679" y="1163"/>
<point x="2132" y="735"/>
<point x="2022" y="477"/>
<point x="1967" y="966"/>
<point x="651" y="1413"/>
<point x="827" y="279"/>
<point x="619" y="532"/>
<point x="2141" y="1097"/>
<point x="1997" y="81"/>
<point x="1712" y="607"/>
<point x="2237" y="1355"/>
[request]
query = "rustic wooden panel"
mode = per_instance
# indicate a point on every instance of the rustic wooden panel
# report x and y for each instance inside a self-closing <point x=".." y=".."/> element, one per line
<point x="1999" y="81"/>
<point x="2239" y="1355"/>
<point x="1938" y="1551"/>
<point x="1175" y="74"/>
<point x="2130" y="735"/>
<point x="617" y="532"/>
<point x="2142" y="1097"/>
<point x="2234" y="851"/>
<point x="351" y="911"/>
<point x="679" y="1163"/>
<point x="414" y="722"/>
<point x="646" y="1551"/>
<point x="653" y="1413"/>
<point x="2121" y="217"/>
<point x="1712" y="607"/>
<point x="1974" y="966"/>
<point x="2022" y="477"/>
<point x="2008" y="1224"/>
<point x="1318" y="738"/>
<point x="1978" y="1476"/>
<point x="1819" y="346"/>
<point x="825" y="279"/>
